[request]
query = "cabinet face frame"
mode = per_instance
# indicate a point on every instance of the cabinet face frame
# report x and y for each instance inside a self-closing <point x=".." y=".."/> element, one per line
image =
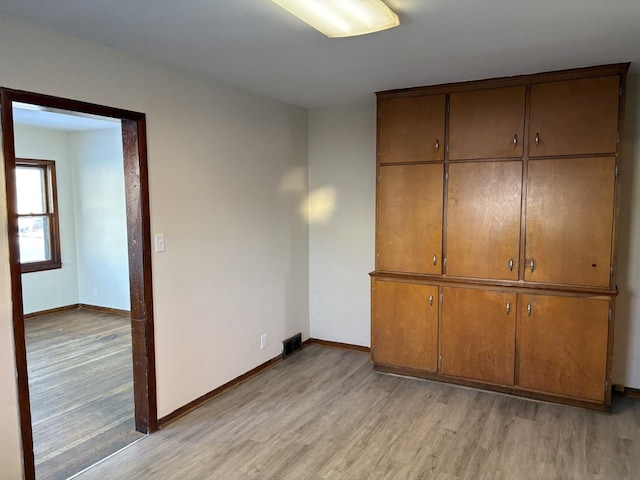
<point x="521" y="285"/>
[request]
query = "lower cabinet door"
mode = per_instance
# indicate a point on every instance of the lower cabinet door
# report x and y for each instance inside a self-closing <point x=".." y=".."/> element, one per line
<point x="563" y="345"/>
<point x="405" y="325"/>
<point x="478" y="334"/>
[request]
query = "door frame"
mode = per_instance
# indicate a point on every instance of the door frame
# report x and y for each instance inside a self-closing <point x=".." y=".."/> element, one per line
<point x="134" y="142"/>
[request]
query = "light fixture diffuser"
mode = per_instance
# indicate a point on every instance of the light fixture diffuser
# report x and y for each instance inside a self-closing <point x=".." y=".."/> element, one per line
<point x="342" y="18"/>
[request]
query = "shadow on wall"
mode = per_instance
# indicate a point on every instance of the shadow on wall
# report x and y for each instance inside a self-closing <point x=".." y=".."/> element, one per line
<point x="623" y="343"/>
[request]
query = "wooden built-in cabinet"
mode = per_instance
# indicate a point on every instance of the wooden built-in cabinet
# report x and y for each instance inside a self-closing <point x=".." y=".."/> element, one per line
<point x="486" y="123"/>
<point x="478" y="334"/>
<point x="563" y="345"/>
<point x="412" y="129"/>
<point x="409" y="236"/>
<point x="406" y="325"/>
<point x="569" y="225"/>
<point x="496" y="227"/>
<point x="483" y="219"/>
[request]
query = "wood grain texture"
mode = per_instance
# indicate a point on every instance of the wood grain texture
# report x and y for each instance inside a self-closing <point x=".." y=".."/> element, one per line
<point x="478" y="334"/>
<point x="570" y="220"/>
<point x="81" y="389"/>
<point x="324" y="414"/>
<point x="405" y="325"/>
<point x="485" y="123"/>
<point x="562" y="345"/>
<point x="409" y="229"/>
<point x="483" y="219"/>
<point x="411" y="130"/>
<point x="574" y="117"/>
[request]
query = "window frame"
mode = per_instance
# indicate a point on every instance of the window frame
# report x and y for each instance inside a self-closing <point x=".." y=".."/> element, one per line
<point x="51" y="212"/>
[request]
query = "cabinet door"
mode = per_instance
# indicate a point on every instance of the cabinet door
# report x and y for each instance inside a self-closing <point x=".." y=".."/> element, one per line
<point x="409" y="233"/>
<point x="405" y="325"/>
<point x="483" y="219"/>
<point x="487" y="123"/>
<point x="570" y="220"/>
<point x="478" y="334"/>
<point x="411" y="129"/>
<point x="574" y="117"/>
<point x="563" y="345"/>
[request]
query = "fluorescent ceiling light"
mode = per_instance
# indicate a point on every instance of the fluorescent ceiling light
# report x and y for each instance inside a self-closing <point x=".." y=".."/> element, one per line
<point x="342" y="18"/>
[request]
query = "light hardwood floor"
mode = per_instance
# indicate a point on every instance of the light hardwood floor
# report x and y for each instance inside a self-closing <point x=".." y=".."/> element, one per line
<point x="324" y="414"/>
<point x="81" y="389"/>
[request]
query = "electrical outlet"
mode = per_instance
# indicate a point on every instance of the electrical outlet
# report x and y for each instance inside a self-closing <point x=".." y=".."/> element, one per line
<point x="94" y="291"/>
<point x="263" y="341"/>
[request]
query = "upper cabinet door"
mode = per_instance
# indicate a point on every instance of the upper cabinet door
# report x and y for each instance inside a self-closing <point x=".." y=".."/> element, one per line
<point x="570" y="220"/>
<point x="487" y="123"/>
<point x="574" y="117"/>
<point x="411" y="129"/>
<point x="409" y="230"/>
<point x="484" y="203"/>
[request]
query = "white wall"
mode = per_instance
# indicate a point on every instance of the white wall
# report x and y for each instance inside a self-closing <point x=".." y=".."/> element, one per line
<point x="59" y="287"/>
<point x="342" y="154"/>
<point x="101" y="218"/>
<point x="626" y="359"/>
<point x="236" y="260"/>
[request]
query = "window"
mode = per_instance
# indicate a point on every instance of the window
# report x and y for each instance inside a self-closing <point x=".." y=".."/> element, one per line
<point x="39" y="232"/>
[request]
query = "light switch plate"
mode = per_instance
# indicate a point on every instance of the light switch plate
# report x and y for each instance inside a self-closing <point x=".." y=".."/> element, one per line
<point x="159" y="238"/>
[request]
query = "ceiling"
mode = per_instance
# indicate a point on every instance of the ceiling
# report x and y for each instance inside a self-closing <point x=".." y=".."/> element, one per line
<point x="24" y="114"/>
<point x="257" y="46"/>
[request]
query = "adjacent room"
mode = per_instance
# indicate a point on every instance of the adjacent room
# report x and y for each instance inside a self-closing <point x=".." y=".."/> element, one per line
<point x="270" y="247"/>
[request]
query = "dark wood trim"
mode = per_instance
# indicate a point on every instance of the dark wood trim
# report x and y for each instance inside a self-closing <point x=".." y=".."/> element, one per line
<point x="51" y="211"/>
<point x="49" y="311"/>
<point x="24" y="404"/>
<point x="77" y="306"/>
<point x="626" y="391"/>
<point x="520" y="286"/>
<point x="139" y="235"/>
<point x="98" y="308"/>
<point x="345" y="346"/>
<point x="555" y="76"/>
<point x="139" y="239"/>
<point x="511" y="390"/>
<point x="198" y="402"/>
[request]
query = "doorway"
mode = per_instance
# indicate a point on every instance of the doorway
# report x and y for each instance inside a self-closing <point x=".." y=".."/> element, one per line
<point x="139" y="256"/>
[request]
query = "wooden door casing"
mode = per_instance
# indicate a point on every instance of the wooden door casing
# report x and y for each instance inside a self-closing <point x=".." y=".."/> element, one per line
<point x="409" y="230"/>
<point x="574" y="117"/>
<point x="411" y="129"/>
<point x="484" y="202"/>
<point x="562" y="346"/>
<point x="569" y="220"/>
<point x="405" y="325"/>
<point x="478" y="331"/>
<point x="487" y="123"/>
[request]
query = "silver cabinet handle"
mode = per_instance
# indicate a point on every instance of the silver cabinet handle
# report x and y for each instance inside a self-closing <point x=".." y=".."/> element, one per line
<point x="430" y="300"/>
<point x="437" y="144"/>
<point x="529" y="310"/>
<point x="508" y="307"/>
<point x="515" y="140"/>
<point x="532" y="265"/>
<point x="435" y="260"/>
<point x="511" y="264"/>
<point x="537" y="139"/>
